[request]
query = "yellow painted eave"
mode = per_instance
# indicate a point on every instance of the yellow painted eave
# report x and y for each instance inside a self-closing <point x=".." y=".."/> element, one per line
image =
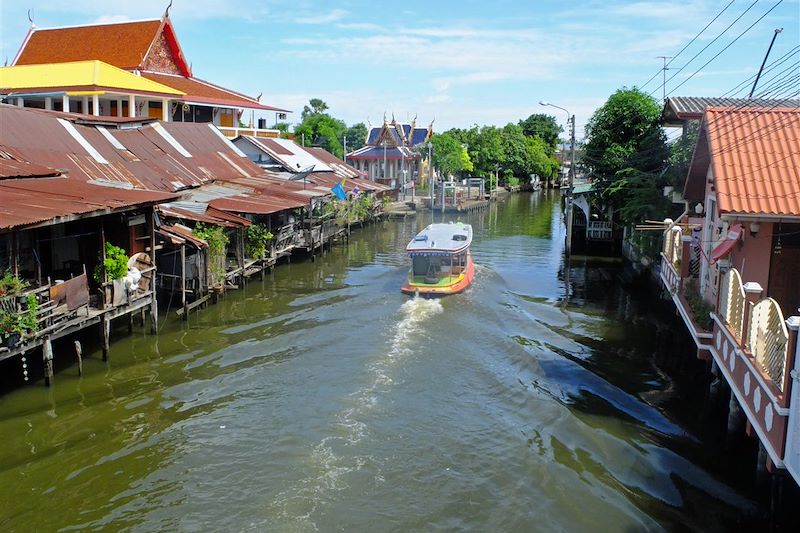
<point x="79" y="74"/>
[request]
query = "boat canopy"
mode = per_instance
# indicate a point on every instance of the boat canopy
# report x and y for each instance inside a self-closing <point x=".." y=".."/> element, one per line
<point x="441" y="239"/>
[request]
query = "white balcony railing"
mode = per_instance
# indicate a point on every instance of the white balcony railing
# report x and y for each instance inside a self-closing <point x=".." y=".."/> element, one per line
<point x="768" y="339"/>
<point x="732" y="300"/>
<point x="233" y="132"/>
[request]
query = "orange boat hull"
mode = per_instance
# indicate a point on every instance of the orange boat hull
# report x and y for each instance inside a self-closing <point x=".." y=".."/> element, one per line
<point x="443" y="290"/>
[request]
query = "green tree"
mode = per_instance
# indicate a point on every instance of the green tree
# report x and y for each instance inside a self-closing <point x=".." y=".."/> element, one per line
<point x="627" y="152"/>
<point x="541" y="161"/>
<point x="486" y="149"/>
<point x="356" y="136"/>
<point x="317" y="107"/>
<point x="321" y="129"/>
<point x="544" y="127"/>
<point x="450" y="155"/>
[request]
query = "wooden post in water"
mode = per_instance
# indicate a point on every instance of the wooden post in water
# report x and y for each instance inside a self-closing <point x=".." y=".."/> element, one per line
<point x="183" y="281"/>
<point x="736" y="419"/>
<point x="154" y="300"/>
<point x="78" y="356"/>
<point x="240" y="256"/>
<point x="47" y="359"/>
<point x="106" y="325"/>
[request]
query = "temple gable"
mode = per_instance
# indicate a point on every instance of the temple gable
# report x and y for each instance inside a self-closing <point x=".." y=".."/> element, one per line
<point x="162" y="58"/>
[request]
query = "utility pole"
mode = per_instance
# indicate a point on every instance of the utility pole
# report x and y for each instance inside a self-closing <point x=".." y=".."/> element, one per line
<point x="570" y="119"/>
<point x="430" y="172"/>
<point x="664" y="78"/>
<point x="758" y="76"/>
<point x="344" y="150"/>
<point x="569" y="191"/>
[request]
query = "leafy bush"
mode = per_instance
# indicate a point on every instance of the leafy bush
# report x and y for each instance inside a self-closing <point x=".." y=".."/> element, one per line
<point x="114" y="266"/>
<point x="257" y="238"/>
<point x="11" y="284"/>
<point x="513" y="181"/>
<point x="701" y="309"/>
<point x="217" y="248"/>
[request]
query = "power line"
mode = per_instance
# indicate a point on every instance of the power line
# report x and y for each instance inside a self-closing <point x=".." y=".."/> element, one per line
<point x="710" y="43"/>
<point x="727" y="46"/>
<point x="690" y="42"/>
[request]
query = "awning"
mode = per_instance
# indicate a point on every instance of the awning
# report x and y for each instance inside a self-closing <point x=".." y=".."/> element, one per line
<point x="725" y="247"/>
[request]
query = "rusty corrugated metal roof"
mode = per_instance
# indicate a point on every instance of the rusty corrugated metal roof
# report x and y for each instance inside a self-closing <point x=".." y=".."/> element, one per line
<point x="681" y="108"/>
<point x="11" y="168"/>
<point x="157" y="156"/>
<point x="25" y="202"/>
<point x="755" y="156"/>
<point x="181" y="233"/>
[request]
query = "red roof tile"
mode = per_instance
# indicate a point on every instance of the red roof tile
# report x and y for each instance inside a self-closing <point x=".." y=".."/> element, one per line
<point x="202" y="92"/>
<point x="123" y="45"/>
<point x="755" y="157"/>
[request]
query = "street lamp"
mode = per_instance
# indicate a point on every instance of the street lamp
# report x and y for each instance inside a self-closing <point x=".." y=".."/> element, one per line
<point x="570" y="119"/>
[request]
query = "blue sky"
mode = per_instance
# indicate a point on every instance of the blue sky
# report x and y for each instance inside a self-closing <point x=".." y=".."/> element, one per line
<point x="464" y="63"/>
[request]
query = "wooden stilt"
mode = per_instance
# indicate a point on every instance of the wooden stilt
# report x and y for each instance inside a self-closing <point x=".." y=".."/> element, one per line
<point x="183" y="281"/>
<point x="47" y="359"/>
<point x="154" y="314"/>
<point x="240" y="257"/>
<point x="79" y="357"/>
<point x="106" y="325"/>
<point x="736" y="418"/>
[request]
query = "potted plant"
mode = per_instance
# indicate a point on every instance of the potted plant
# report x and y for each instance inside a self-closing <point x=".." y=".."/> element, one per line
<point x="16" y="324"/>
<point x="114" y="266"/>
<point x="11" y="284"/>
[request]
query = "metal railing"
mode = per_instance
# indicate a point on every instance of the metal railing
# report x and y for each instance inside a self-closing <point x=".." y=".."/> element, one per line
<point x="768" y="339"/>
<point x="599" y="230"/>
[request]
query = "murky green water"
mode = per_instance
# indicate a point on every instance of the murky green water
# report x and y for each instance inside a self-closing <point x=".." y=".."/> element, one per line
<point x="323" y="399"/>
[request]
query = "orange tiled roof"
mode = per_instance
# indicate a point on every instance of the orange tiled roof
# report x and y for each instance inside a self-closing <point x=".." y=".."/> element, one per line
<point x="755" y="156"/>
<point x="123" y="45"/>
<point x="203" y="92"/>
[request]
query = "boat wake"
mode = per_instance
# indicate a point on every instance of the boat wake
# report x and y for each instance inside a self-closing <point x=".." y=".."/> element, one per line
<point x="333" y="458"/>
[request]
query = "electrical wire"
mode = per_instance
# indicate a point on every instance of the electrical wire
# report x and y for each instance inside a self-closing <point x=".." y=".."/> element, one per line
<point x="678" y="71"/>
<point x="688" y="44"/>
<point x="726" y="47"/>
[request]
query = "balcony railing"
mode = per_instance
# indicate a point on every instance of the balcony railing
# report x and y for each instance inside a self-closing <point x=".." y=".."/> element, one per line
<point x="753" y="347"/>
<point x="233" y="132"/>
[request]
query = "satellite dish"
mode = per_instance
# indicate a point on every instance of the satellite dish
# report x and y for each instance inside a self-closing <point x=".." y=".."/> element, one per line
<point x="303" y="174"/>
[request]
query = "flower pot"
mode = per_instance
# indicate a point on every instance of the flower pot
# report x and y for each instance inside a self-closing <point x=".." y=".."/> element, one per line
<point x="11" y="340"/>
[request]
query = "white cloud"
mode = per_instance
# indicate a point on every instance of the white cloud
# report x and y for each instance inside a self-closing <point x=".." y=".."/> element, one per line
<point x="437" y="99"/>
<point x="322" y="18"/>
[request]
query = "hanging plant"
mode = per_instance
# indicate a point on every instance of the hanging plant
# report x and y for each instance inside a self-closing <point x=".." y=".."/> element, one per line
<point x="114" y="266"/>
<point x="257" y="238"/>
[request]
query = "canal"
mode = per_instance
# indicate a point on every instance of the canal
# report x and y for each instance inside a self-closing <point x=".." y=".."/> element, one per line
<point x="323" y="399"/>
